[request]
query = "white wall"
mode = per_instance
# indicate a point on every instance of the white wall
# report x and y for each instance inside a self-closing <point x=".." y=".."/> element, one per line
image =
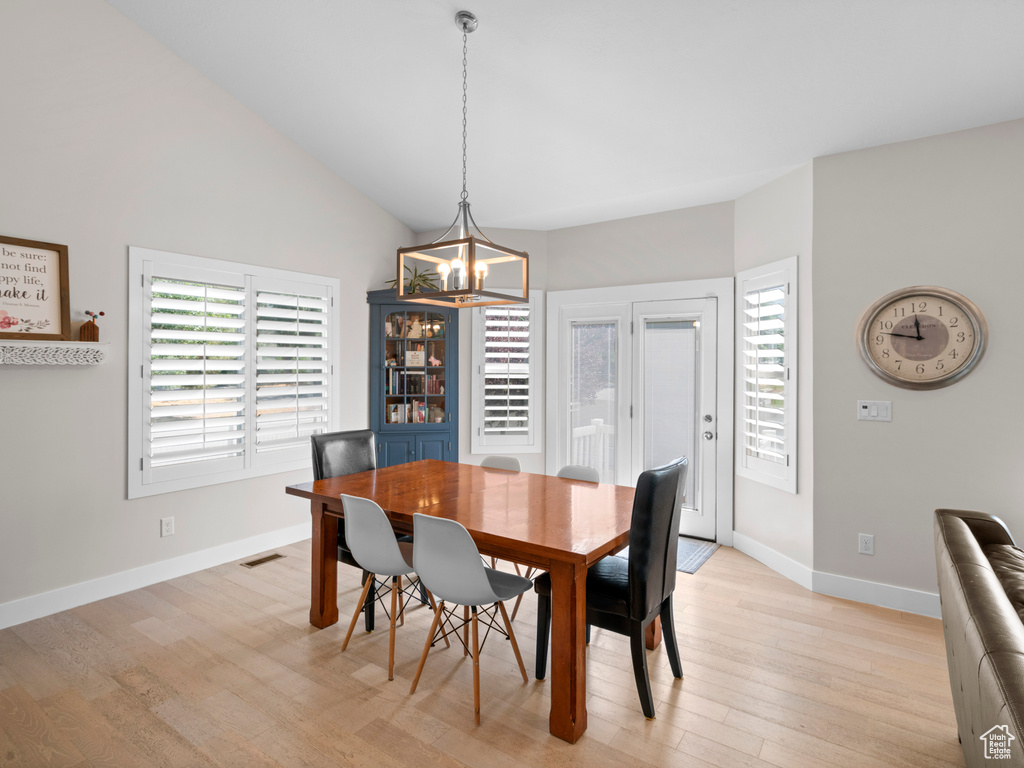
<point x="687" y="244"/>
<point x="108" y="139"/>
<point x="946" y="211"/>
<point x="775" y="222"/>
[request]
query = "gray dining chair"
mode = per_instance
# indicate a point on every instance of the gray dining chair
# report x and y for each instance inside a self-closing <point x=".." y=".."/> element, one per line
<point x="448" y="564"/>
<point x="371" y="540"/>
<point x="579" y="472"/>
<point x="511" y="463"/>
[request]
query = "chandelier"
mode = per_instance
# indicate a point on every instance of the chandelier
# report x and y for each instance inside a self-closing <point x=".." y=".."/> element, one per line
<point x="464" y="263"/>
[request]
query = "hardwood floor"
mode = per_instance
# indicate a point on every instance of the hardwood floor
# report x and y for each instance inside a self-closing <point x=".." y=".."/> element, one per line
<point x="221" y="668"/>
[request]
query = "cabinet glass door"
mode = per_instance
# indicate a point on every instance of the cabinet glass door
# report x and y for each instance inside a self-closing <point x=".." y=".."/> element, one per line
<point x="414" y="367"/>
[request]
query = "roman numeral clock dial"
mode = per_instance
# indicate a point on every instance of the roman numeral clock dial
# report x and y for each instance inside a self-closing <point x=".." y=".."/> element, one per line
<point x="922" y="337"/>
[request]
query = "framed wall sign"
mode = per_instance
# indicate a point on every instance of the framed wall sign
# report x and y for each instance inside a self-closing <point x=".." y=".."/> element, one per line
<point x="34" y="290"/>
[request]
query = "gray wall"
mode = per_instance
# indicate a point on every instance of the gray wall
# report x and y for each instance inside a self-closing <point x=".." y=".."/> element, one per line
<point x="773" y="223"/>
<point x="107" y="140"/>
<point x="946" y="211"/>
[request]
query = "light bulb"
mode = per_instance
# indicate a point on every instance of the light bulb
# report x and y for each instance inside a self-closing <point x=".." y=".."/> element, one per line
<point x="459" y="270"/>
<point x="443" y="269"/>
<point x="481" y="272"/>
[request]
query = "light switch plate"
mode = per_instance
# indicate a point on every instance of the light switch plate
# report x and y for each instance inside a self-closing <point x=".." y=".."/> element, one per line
<point x="874" y="410"/>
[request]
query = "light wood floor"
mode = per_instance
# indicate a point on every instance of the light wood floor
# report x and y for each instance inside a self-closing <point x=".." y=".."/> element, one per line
<point x="221" y="668"/>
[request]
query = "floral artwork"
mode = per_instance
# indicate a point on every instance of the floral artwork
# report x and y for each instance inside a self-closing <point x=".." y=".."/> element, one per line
<point x="6" y="321"/>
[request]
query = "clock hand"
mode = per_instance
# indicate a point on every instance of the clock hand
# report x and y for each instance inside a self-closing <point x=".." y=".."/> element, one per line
<point x="902" y="335"/>
<point x="917" y="328"/>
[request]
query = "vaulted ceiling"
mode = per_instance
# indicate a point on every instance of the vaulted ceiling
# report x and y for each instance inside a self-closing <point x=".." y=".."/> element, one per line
<point x="591" y="110"/>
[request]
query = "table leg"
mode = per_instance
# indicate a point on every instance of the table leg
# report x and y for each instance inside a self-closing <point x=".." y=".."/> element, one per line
<point x="323" y="601"/>
<point x="652" y="635"/>
<point x="568" y="718"/>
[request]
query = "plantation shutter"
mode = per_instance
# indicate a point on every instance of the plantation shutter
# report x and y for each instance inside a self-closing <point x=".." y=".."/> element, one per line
<point x="196" y="372"/>
<point x="765" y="373"/>
<point x="506" y="362"/>
<point x="293" y="368"/>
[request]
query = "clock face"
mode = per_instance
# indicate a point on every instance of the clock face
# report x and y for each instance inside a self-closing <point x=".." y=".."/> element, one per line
<point x="922" y="337"/>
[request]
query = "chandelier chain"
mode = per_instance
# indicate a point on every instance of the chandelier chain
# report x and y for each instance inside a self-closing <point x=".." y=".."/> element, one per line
<point x="465" y="49"/>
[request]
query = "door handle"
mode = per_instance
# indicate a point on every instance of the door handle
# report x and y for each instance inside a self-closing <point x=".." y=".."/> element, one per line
<point x="709" y="435"/>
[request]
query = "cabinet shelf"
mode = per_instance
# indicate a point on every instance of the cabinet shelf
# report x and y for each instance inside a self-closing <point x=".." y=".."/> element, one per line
<point x="16" y="352"/>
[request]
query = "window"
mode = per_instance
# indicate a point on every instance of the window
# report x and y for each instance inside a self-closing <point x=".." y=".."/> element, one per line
<point x="506" y="373"/>
<point x="766" y="374"/>
<point x="230" y="370"/>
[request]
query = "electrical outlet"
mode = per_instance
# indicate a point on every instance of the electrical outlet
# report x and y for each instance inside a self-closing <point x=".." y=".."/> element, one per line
<point x="166" y="526"/>
<point x="865" y="543"/>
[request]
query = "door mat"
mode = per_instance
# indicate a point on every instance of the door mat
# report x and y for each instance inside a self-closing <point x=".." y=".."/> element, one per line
<point x="692" y="554"/>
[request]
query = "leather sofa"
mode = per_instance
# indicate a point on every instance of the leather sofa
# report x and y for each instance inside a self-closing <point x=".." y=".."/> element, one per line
<point x="981" y="586"/>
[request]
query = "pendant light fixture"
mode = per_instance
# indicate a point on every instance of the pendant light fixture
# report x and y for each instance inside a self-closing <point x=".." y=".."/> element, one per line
<point x="463" y="261"/>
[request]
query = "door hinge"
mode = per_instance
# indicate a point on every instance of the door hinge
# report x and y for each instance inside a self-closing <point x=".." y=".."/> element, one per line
<point x="630" y="327"/>
<point x="787" y="459"/>
<point x="449" y="446"/>
<point x="379" y="447"/>
<point x="141" y="467"/>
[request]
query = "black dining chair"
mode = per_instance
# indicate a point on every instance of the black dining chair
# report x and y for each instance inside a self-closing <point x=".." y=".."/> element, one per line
<point x="345" y="453"/>
<point x="625" y="596"/>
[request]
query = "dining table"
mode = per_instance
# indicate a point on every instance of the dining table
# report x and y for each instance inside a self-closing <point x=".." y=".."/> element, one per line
<point x="558" y="525"/>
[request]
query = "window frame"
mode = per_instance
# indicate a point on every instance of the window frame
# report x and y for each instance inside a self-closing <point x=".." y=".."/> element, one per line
<point x="531" y="441"/>
<point x="776" y="474"/>
<point x="143" y="481"/>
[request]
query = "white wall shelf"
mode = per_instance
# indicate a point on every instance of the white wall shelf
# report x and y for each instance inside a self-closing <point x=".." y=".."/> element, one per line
<point x="52" y="352"/>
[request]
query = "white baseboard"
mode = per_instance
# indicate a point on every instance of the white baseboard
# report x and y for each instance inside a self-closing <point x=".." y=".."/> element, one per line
<point x="37" y="606"/>
<point x="846" y="587"/>
<point x="883" y="595"/>
<point x="778" y="562"/>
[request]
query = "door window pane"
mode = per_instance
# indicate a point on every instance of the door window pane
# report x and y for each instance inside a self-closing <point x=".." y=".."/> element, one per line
<point x="593" y="396"/>
<point x="671" y="357"/>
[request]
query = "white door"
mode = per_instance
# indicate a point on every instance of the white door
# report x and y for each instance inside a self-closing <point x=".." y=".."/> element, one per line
<point x="674" y="347"/>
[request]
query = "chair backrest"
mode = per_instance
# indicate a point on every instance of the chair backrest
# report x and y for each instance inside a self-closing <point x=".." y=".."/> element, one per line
<point x="580" y="472"/>
<point x="654" y="537"/>
<point x="371" y="538"/>
<point x="343" y="453"/>
<point x="501" y="462"/>
<point x="446" y="559"/>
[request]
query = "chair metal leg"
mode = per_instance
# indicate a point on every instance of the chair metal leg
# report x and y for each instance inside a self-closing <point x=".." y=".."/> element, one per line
<point x="512" y="638"/>
<point x="465" y="630"/>
<point x="360" y="603"/>
<point x="401" y="602"/>
<point x="543" y="633"/>
<point x="668" y="632"/>
<point x="426" y="646"/>
<point x="394" y="619"/>
<point x="370" y="601"/>
<point x="433" y="607"/>
<point x="476" y="671"/>
<point x="643" y="682"/>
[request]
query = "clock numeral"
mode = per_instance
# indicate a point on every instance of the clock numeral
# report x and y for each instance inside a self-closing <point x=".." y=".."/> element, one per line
<point x="920" y="368"/>
<point x="961" y="337"/>
<point x="885" y="354"/>
<point x="899" y="364"/>
<point x="879" y="339"/>
<point x="953" y="322"/>
<point x="899" y="312"/>
<point x="885" y="325"/>
<point x="940" y="310"/>
<point x="922" y="306"/>
<point x="939" y="366"/>
<point x="954" y="355"/>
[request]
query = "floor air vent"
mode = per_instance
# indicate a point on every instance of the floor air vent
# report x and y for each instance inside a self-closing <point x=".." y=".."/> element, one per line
<point x="262" y="560"/>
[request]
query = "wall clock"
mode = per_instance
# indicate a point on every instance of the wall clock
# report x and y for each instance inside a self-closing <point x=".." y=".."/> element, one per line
<point x="922" y="337"/>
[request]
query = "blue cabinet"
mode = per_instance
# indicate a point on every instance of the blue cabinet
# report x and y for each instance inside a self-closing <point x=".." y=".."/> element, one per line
<point x="414" y="369"/>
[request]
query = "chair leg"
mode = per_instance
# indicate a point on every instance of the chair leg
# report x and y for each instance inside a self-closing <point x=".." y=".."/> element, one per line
<point x="394" y="618"/>
<point x="401" y="602"/>
<point x="543" y="632"/>
<point x="433" y="607"/>
<point x="465" y="630"/>
<point x="370" y="601"/>
<point x="638" y="647"/>
<point x="426" y="646"/>
<point x="367" y="585"/>
<point x="424" y="596"/>
<point x="512" y="638"/>
<point x="588" y="634"/>
<point x="529" y="575"/>
<point x="476" y="671"/>
<point x="668" y="632"/>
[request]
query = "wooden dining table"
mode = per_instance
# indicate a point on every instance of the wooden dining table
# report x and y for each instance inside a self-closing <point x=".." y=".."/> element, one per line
<point x="558" y="525"/>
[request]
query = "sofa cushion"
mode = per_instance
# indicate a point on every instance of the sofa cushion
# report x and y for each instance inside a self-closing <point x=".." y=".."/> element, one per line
<point x="1008" y="563"/>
